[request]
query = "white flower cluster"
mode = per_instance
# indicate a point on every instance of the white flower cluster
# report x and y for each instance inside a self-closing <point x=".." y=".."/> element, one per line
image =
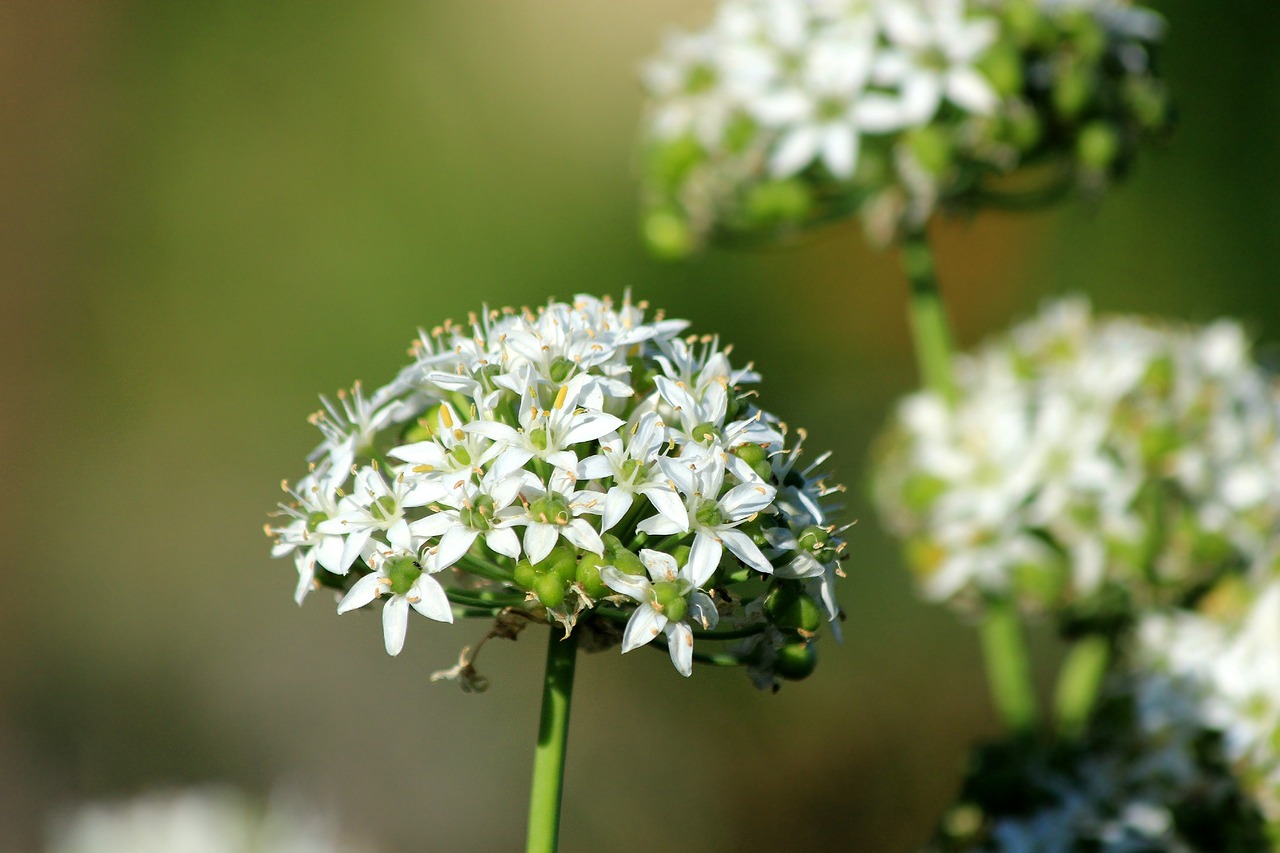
<point x="775" y="90"/>
<point x="1229" y="663"/>
<point x="196" y="821"/>
<point x="1086" y="457"/>
<point x="573" y="459"/>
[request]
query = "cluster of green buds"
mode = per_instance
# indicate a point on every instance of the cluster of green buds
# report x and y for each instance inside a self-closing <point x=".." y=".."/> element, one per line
<point x="1089" y="467"/>
<point x="786" y="114"/>
<point x="577" y="465"/>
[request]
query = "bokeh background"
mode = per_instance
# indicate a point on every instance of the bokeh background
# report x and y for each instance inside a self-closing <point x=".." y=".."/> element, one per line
<point x="212" y="212"/>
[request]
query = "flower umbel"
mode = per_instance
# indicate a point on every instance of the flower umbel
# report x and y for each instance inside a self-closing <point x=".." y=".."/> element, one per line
<point x="538" y="465"/>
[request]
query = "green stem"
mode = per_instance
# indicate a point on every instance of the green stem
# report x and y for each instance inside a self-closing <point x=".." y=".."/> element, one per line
<point x="1003" y="646"/>
<point x="1079" y="683"/>
<point x="553" y="733"/>
<point x="484" y="568"/>
<point x="1008" y="669"/>
<point x="929" y="327"/>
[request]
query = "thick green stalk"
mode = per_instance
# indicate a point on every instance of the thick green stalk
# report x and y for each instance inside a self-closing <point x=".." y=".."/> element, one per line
<point x="553" y="734"/>
<point x="1003" y="645"/>
<point x="1079" y="682"/>
<point x="929" y="328"/>
<point x="1008" y="669"/>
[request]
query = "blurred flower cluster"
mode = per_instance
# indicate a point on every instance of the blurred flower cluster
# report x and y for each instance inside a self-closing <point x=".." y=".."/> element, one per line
<point x="1090" y="467"/>
<point x="197" y="821"/>
<point x="580" y="464"/>
<point x="787" y="113"/>
<point x="1227" y="657"/>
<point x="1148" y="776"/>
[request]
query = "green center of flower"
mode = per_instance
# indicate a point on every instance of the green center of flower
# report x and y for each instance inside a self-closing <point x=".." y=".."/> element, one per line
<point x="478" y="516"/>
<point x="551" y="509"/>
<point x="704" y="432"/>
<point x="709" y="515"/>
<point x="538" y="438"/>
<point x="460" y="454"/>
<point x="561" y="368"/>
<point x="383" y="509"/>
<point x="831" y="109"/>
<point x="701" y="78"/>
<point x="402" y="571"/>
<point x="632" y="470"/>
<point x="316" y="518"/>
<point x="668" y="599"/>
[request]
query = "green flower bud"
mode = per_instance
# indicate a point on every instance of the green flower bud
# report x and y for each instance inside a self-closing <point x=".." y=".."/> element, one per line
<point x="757" y="457"/>
<point x="562" y="562"/>
<point x="628" y="563"/>
<point x="921" y="489"/>
<point x="1002" y="66"/>
<point x="775" y="202"/>
<point x="525" y="576"/>
<point x="1072" y="91"/>
<point x="931" y="146"/>
<point x="796" y="661"/>
<point x="588" y="574"/>
<point x="550" y="509"/>
<point x="402" y="571"/>
<point x="814" y="538"/>
<point x="788" y="607"/>
<point x="669" y="600"/>
<point x="1097" y="146"/>
<point x="668" y="234"/>
<point x="670" y="162"/>
<point x="550" y="589"/>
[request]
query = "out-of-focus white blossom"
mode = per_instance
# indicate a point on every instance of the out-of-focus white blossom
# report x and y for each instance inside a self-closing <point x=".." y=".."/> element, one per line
<point x="1087" y="459"/>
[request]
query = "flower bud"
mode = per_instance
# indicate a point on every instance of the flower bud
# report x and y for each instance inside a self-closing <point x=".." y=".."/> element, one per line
<point x="588" y="574"/>
<point x="550" y="589"/>
<point x="796" y="661"/>
<point x="791" y="609"/>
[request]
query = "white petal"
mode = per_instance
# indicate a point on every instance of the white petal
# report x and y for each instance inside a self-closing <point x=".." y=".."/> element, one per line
<point x="704" y="557"/>
<point x="660" y="525"/>
<point x="840" y="149"/>
<point x="680" y="646"/>
<point x="592" y="426"/>
<point x="679" y="473"/>
<point x="328" y="553"/>
<point x="436" y="524"/>
<point x="633" y="586"/>
<point x="742" y="501"/>
<point x="794" y="152"/>
<point x="702" y="610"/>
<point x="661" y="567"/>
<point x="353" y="547"/>
<point x="616" y="504"/>
<point x="454" y="544"/>
<point x="503" y="540"/>
<point x="398" y="535"/>
<point x="539" y="539"/>
<point x="493" y="430"/>
<point x="969" y="89"/>
<point x="745" y="550"/>
<point x="427" y="597"/>
<point x="581" y="533"/>
<point x="595" y="468"/>
<point x="395" y="621"/>
<point x="667" y="502"/>
<point x="419" y="453"/>
<point x="645" y="624"/>
<point x="362" y="592"/>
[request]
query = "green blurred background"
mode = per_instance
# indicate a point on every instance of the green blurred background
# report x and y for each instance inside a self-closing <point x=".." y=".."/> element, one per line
<point x="212" y="212"/>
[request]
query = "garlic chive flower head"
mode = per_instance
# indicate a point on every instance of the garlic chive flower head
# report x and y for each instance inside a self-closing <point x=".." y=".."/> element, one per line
<point x="783" y="114"/>
<point x="1089" y="467"/>
<point x="579" y="464"/>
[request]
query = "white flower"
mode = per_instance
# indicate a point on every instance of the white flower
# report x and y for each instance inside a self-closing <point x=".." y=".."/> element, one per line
<point x="552" y="510"/>
<point x="669" y="604"/>
<point x="401" y="575"/>
<point x="471" y="511"/>
<point x="934" y="49"/>
<point x="633" y="472"/>
<point x="349" y="428"/>
<point x="713" y="518"/>
<point x="372" y="508"/>
<point x="315" y="500"/>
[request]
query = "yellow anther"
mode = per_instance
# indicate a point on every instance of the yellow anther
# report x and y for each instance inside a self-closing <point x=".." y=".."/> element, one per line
<point x="560" y="397"/>
<point x="445" y="417"/>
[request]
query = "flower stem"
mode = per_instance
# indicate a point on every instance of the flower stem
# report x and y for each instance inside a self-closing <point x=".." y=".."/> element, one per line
<point x="1008" y="670"/>
<point x="553" y="733"/>
<point x="929" y="327"/>
<point x="1079" y="682"/>
<point x="1003" y="645"/>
